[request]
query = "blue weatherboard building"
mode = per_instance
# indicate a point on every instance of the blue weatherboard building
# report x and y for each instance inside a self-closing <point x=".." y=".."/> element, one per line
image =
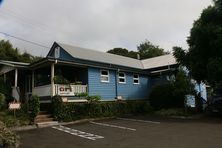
<point x="71" y="72"/>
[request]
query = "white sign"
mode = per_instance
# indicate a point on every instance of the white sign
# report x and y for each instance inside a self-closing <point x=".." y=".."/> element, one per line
<point x="14" y="105"/>
<point x="69" y="90"/>
<point x="65" y="90"/>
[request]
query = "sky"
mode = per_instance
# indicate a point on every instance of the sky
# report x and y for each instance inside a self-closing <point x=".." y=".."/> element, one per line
<point x="98" y="24"/>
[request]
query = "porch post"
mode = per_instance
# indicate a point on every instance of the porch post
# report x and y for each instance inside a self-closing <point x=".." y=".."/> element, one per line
<point x="4" y="77"/>
<point x="52" y="79"/>
<point x="16" y="77"/>
<point x="33" y="79"/>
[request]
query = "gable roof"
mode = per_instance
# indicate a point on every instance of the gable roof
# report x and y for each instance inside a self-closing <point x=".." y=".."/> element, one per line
<point x="97" y="56"/>
<point x="74" y="52"/>
<point x="160" y="61"/>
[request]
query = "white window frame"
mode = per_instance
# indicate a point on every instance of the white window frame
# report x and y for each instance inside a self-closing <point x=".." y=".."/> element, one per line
<point x="107" y="76"/>
<point x="138" y="79"/>
<point x="120" y="77"/>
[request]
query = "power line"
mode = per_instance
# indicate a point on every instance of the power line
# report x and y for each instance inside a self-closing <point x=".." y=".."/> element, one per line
<point x="24" y="40"/>
<point x="24" y="21"/>
<point x="23" y="18"/>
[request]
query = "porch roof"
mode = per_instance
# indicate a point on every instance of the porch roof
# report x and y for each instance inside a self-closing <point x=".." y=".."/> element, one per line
<point x="14" y="64"/>
<point x="6" y="66"/>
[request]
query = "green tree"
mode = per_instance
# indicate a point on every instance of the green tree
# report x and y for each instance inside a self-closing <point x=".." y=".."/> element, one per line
<point x="7" y="52"/>
<point x="147" y="50"/>
<point x="204" y="56"/>
<point x="119" y="51"/>
<point x="123" y="52"/>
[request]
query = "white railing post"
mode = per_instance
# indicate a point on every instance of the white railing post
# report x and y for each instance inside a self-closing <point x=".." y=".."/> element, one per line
<point x="52" y="79"/>
<point x="16" y="77"/>
<point x="33" y="80"/>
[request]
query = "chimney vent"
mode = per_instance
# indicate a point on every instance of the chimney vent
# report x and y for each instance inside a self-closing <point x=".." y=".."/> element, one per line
<point x="138" y="56"/>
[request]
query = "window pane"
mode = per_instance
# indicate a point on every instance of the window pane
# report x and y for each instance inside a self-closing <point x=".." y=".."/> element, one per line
<point x="121" y="75"/>
<point x="136" y="81"/>
<point x="136" y="76"/>
<point x="104" y="79"/>
<point x="121" y="80"/>
<point x="104" y="72"/>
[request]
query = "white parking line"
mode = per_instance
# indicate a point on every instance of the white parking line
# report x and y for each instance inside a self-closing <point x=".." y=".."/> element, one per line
<point x="144" y="121"/>
<point x="77" y="132"/>
<point x="115" y="126"/>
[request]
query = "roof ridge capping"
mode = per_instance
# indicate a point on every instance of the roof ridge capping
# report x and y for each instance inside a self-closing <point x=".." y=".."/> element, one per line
<point x="97" y="51"/>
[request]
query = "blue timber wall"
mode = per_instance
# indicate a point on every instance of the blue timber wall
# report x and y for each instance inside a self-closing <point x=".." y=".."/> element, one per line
<point x="109" y="91"/>
<point x="95" y="87"/>
<point x="134" y="91"/>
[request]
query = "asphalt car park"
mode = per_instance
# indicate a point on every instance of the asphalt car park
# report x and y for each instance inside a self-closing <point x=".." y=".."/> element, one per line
<point x="127" y="133"/>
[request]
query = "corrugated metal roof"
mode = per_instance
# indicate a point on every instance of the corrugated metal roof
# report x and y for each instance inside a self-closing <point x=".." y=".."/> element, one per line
<point x="159" y="61"/>
<point x="14" y="64"/>
<point x="97" y="56"/>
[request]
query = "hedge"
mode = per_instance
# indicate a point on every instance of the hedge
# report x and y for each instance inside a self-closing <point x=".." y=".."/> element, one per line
<point x="67" y="111"/>
<point x="34" y="107"/>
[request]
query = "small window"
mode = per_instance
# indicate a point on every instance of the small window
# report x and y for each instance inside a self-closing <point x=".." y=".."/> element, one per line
<point x="122" y="77"/>
<point x="136" y="79"/>
<point x="104" y="77"/>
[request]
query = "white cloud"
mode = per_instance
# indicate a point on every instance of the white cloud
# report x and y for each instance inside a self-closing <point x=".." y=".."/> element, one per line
<point x="100" y="24"/>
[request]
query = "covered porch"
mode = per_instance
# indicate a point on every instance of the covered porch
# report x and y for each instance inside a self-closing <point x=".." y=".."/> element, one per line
<point x="66" y="80"/>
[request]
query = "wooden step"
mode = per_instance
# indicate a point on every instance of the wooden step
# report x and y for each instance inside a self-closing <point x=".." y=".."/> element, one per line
<point x="39" y="120"/>
<point x="47" y="124"/>
<point x="43" y="112"/>
<point x="43" y="116"/>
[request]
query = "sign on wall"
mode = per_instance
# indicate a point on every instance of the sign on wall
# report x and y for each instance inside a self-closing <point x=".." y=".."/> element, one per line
<point x="69" y="90"/>
<point x="64" y="90"/>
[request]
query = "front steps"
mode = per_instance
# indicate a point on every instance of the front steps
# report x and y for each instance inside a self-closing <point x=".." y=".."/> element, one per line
<point x="44" y="119"/>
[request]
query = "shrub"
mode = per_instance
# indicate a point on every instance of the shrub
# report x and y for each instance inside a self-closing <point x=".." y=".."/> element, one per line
<point x="59" y="79"/>
<point x="34" y="107"/>
<point x="172" y="112"/>
<point x="161" y="96"/>
<point x="172" y="94"/>
<point x="64" y="111"/>
<point x="2" y="101"/>
<point x="57" y="106"/>
<point x="92" y="99"/>
<point x="7" y="137"/>
<point x="81" y="94"/>
<point x="6" y="89"/>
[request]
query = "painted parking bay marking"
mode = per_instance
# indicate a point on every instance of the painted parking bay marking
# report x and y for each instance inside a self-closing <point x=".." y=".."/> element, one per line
<point x="115" y="126"/>
<point x="78" y="133"/>
<point x="144" y="121"/>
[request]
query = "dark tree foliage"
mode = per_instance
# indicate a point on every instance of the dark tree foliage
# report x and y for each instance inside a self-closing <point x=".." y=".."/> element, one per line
<point x="204" y="56"/>
<point x="172" y="94"/>
<point x="7" y="52"/>
<point x="123" y="52"/>
<point x="148" y="50"/>
<point x="145" y="50"/>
